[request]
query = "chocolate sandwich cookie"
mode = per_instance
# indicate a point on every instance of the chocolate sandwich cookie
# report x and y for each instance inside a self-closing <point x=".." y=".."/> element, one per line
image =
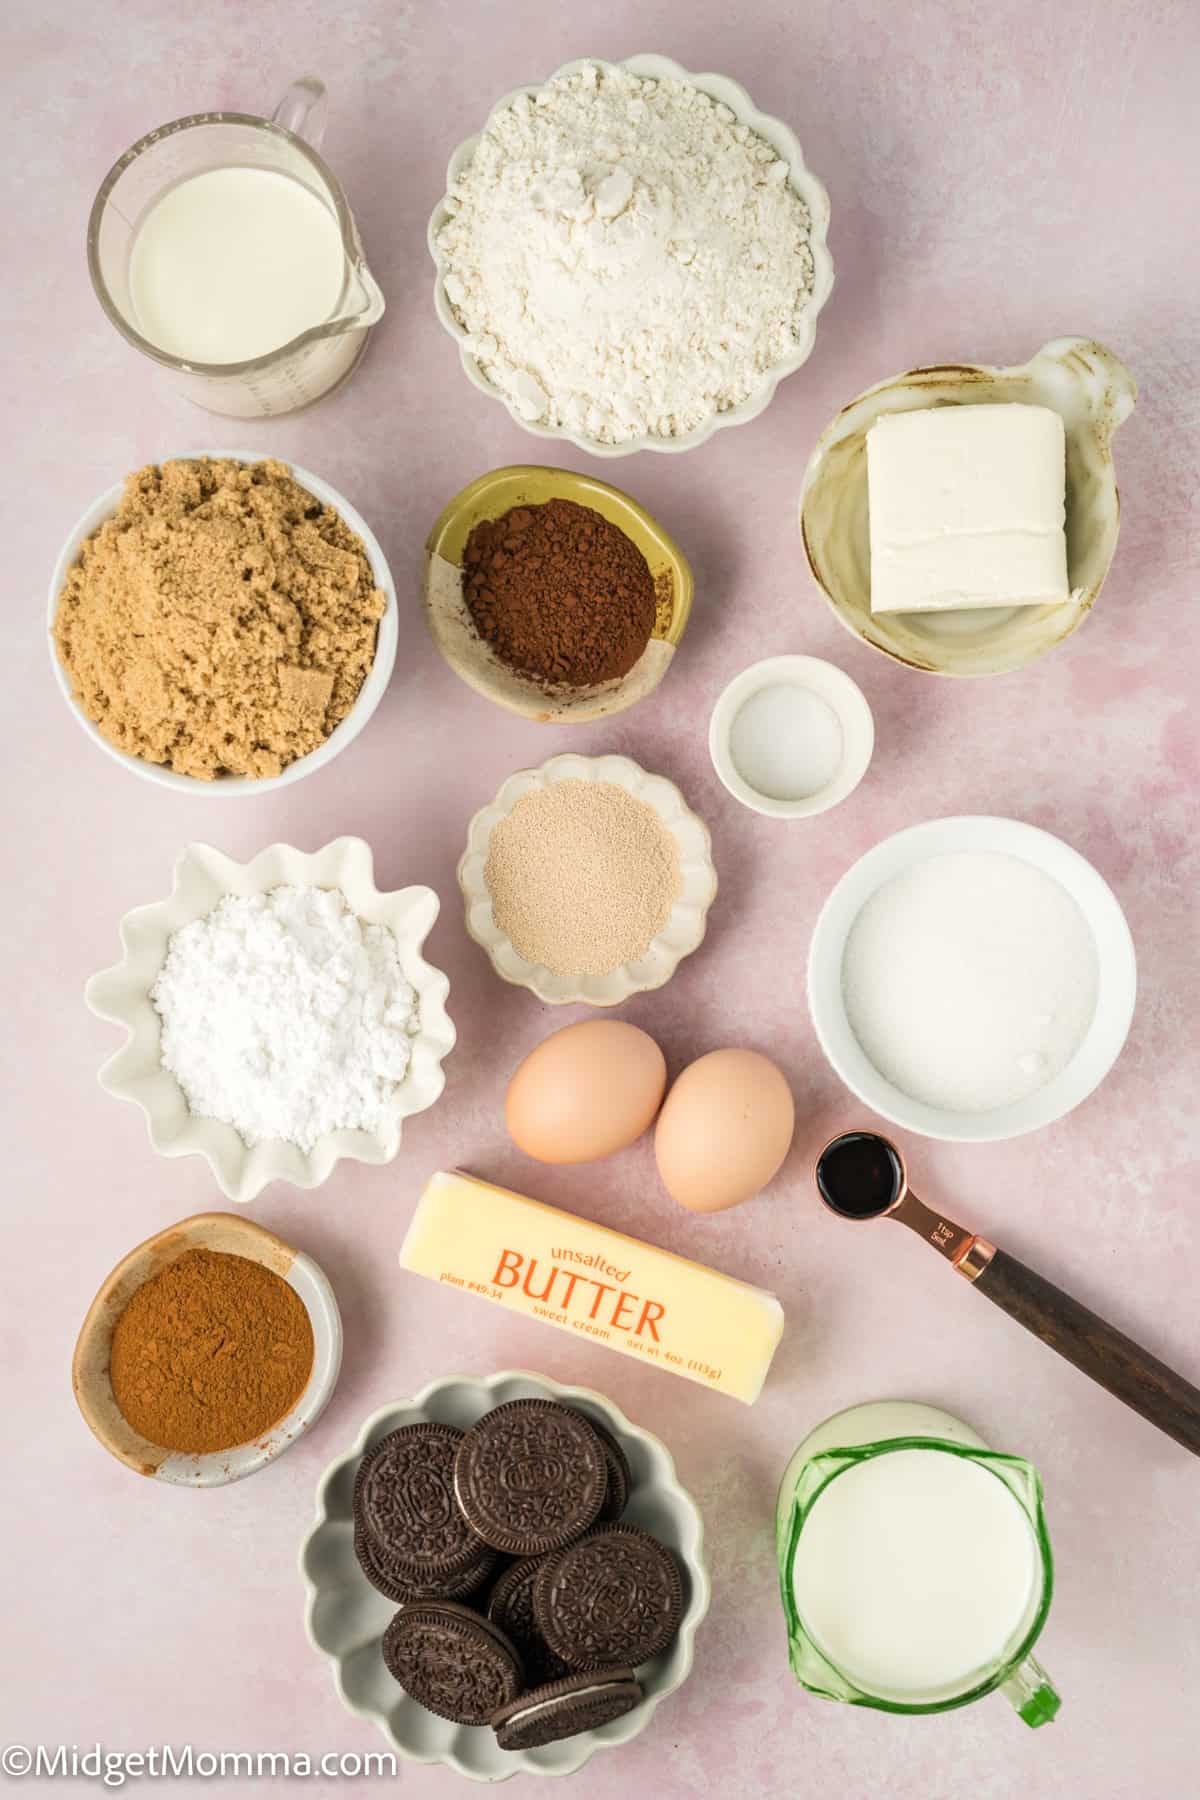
<point x="620" y="1479"/>
<point x="455" y="1663"/>
<point x="562" y="1709"/>
<point x="530" y="1476"/>
<point x="386" y="1572"/>
<point x="614" y="1597"/>
<point x="404" y="1498"/>
<point x="510" y="1606"/>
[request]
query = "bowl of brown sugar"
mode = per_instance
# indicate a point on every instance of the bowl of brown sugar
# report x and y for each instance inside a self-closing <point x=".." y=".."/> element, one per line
<point x="555" y="595"/>
<point x="207" y="1352"/>
<point x="221" y="624"/>
<point x="588" y="879"/>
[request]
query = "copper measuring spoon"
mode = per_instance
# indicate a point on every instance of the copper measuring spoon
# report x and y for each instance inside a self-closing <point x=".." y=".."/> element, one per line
<point x="861" y="1175"/>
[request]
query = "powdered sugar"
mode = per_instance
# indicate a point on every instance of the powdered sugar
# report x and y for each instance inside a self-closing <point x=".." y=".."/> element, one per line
<point x="286" y="1016"/>
<point x="625" y="256"/>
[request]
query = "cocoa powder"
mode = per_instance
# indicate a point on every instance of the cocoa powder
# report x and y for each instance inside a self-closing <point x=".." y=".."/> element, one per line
<point x="560" y="593"/>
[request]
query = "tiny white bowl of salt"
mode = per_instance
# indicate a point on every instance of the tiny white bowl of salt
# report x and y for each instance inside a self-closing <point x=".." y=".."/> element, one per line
<point x="791" y="737"/>
<point x="972" y="979"/>
<point x="279" y="1014"/>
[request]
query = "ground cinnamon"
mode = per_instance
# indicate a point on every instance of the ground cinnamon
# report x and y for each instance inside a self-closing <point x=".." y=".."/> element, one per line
<point x="560" y="593"/>
<point x="210" y="1353"/>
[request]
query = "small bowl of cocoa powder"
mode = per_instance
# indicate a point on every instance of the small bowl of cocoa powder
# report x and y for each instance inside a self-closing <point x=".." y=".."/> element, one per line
<point x="555" y="595"/>
<point x="208" y="1351"/>
<point x="221" y="623"/>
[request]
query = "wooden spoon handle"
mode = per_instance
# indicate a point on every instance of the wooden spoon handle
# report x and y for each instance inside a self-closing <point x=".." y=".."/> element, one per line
<point x="1160" y="1394"/>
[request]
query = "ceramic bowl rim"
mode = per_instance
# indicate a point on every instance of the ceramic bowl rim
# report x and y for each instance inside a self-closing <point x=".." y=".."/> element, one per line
<point x="588" y="1743"/>
<point x="1116" y="997"/>
<point x="1075" y="611"/>
<point x="831" y="684"/>
<point x="571" y="484"/>
<point x="120" y="997"/>
<point x="810" y="189"/>
<point x="218" y="1468"/>
<point x="369" y="695"/>
<point x="619" y="984"/>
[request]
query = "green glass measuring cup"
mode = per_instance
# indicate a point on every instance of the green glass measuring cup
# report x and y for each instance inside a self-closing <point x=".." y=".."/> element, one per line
<point x="915" y="1566"/>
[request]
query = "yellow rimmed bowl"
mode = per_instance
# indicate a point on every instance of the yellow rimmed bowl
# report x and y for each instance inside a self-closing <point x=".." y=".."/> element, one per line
<point x="1093" y="392"/>
<point x="474" y="661"/>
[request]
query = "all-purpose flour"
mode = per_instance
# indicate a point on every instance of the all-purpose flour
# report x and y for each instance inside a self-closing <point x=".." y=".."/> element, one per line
<point x="625" y="256"/>
<point x="286" y="1016"/>
<point x="970" y="980"/>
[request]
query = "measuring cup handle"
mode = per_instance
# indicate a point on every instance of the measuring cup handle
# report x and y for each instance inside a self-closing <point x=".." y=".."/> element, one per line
<point x="304" y="110"/>
<point x="1030" y="1690"/>
<point x="1159" y="1393"/>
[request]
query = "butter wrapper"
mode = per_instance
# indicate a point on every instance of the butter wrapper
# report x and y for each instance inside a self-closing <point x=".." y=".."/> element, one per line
<point x="584" y="1278"/>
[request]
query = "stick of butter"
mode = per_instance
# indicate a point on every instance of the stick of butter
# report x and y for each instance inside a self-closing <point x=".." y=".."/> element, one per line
<point x="967" y="508"/>
<point x="600" y="1284"/>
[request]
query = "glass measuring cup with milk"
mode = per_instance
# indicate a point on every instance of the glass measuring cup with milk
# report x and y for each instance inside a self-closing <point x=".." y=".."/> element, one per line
<point x="914" y="1564"/>
<point x="223" y="247"/>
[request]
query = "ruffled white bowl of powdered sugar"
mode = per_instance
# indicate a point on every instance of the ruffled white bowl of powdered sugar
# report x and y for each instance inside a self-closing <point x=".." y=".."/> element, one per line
<point x="280" y="1015"/>
<point x="630" y="256"/>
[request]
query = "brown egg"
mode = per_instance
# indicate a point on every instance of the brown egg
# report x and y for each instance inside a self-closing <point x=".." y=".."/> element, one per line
<point x="585" y="1091"/>
<point x="724" y="1130"/>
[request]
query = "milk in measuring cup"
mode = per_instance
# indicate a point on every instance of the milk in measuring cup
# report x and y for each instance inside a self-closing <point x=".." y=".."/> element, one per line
<point x="234" y="263"/>
<point x="913" y="1572"/>
<point x="913" y="1562"/>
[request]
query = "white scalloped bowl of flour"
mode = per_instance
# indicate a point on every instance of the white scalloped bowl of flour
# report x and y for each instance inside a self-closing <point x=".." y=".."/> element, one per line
<point x="203" y="877"/>
<point x="803" y="182"/>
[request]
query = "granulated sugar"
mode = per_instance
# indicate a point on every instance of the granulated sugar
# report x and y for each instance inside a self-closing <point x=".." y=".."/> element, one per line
<point x="286" y="1016"/>
<point x="582" y="876"/>
<point x="970" y="980"/>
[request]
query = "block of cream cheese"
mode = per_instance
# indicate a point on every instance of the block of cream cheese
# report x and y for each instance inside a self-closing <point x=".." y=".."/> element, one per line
<point x="603" y="1286"/>
<point x="967" y="508"/>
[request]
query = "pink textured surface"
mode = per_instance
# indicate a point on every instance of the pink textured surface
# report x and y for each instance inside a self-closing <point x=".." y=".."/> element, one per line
<point x="999" y="175"/>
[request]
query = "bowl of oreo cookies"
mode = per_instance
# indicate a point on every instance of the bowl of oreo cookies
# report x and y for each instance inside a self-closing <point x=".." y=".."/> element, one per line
<point x="505" y="1574"/>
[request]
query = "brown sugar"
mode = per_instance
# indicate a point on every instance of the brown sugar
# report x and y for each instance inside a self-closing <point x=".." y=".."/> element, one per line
<point x="221" y="622"/>
<point x="210" y="1353"/>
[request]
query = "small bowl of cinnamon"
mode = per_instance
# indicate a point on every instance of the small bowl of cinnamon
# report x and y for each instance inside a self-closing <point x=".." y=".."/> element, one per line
<point x="555" y="595"/>
<point x="207" y="1352"/>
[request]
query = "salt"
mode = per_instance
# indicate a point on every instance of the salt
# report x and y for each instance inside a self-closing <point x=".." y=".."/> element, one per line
<point x="970" y="980"/>
<point x="786" y="742"/>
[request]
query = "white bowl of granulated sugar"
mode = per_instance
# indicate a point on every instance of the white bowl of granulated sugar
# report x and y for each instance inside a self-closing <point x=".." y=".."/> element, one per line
<point x="701" y="261"/>
<point x="280" y="1015"/>
<point x="972" y="978"/>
